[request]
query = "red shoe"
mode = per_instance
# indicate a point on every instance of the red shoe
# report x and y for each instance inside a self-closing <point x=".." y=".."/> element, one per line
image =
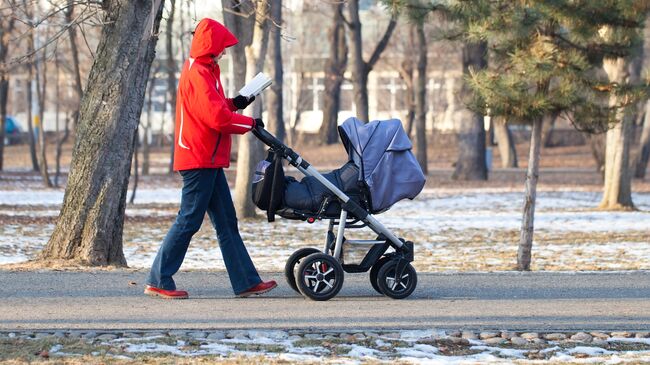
<point x="258" y="289"/>
<point x="167" y="294"/>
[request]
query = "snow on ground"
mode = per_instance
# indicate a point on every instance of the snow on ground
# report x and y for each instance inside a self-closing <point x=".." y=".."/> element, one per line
<point x="353" y="347"/>
<point x="469" y="230"/>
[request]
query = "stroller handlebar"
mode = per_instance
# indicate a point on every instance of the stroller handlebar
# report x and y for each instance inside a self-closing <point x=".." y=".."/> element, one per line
<point x="266" y="137"/>
<point x="270" y="140"/>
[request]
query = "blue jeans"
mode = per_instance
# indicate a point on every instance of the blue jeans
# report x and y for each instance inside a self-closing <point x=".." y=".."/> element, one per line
<point x="204" y="190"/>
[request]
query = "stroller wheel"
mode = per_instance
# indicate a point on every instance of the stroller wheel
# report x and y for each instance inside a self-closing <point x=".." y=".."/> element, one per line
<point x="375" y="270"/>
<point x="390" y="286"/>
<point x="292" y="262"/>
<point x="319" y="277"/>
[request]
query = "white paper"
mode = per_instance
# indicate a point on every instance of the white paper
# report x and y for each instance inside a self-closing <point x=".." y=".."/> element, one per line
<point x="256" y="85"/>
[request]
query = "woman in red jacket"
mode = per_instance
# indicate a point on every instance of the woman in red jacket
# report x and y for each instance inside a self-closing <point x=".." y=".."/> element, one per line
<point x="205" y="120"/>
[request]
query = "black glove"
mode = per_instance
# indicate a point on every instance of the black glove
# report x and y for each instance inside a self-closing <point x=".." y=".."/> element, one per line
<point x="259" y="123"/>
<point x="242" y="102"/>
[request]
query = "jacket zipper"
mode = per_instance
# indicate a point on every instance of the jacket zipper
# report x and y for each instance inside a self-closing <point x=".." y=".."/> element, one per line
<point x="214" y="154"/>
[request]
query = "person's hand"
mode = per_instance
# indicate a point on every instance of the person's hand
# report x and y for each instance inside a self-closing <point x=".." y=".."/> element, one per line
<point x="242" y="102"/>
<point x="259" y="123"/>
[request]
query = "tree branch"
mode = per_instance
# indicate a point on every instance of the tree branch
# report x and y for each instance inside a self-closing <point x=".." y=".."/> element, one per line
<point x="381" y="46"/>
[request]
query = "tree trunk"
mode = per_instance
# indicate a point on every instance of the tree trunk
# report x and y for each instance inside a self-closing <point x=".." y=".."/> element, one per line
<point x="644" y="146"/>
<point x="236" y="20"/>
<point x="4" y="91"/>
<point x="6" y="28"/>
<point x="421" y="100"/>
<point x="59" y="148"/>
<point x="78" y="87"/>
<point x="57" y="91"/>
<point x="471" y="164"/>
<point x="617" y="191"/>
<point x="300" y="107"/>
<point x="147" y="127"/>
<point x="505" y="142"/>
<point x="275" y="101"/>
<point x="90" y="226"/>
<point x="359" y="74"/>
<point x="30" y="118"/>
<point x="548" y="125"/>
<point x="361" y="68"/>
<point x="250" y="148"/>
<point x="407" y="75"/>
<point x="41" y="87"/>
<point x="136" y="176"/>
<point x="597" y="145"/>
<point x="530" y="194"/>
<point x="72" y="34"/>
<point x="171" y="75"/>
<point x="334" y="71"/>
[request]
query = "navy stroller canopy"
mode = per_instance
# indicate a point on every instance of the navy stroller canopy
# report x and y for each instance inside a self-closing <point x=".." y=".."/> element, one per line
<point x="382" y="151"/>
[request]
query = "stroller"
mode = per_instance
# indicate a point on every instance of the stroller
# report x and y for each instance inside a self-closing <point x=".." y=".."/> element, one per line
<point x="381" y="170"/>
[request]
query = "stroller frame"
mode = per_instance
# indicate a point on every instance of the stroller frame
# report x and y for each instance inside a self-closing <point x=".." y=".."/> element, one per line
<point x="333" y="248"/>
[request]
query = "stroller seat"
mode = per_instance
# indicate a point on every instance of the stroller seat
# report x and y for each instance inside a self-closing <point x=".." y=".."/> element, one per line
<point x="309" y="198"/>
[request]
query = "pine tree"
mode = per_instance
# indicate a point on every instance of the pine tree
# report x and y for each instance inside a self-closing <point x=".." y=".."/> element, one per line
<point x="551" y="54"/>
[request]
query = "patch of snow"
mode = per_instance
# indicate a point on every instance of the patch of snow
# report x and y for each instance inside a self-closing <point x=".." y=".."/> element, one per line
<point x="155" y="347"/>
<point x="629" y="340"/>
<point x="361" y="351"/>
<point x="300" y="358"/>
<point x="414" y="335"/>
<point x="215" y="348"/>
<point x="505" y="352"/>
<point x="589" y="350"/>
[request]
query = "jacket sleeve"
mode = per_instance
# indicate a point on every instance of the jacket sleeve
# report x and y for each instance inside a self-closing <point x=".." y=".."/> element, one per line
<point x="231" y="105"/>
<point x="213" y="109"/>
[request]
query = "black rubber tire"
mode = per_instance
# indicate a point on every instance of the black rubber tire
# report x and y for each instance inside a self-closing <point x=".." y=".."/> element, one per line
<point x="374" y="270"/>
<point x="312" y="266"/>
<point x="387" y="272"/>
<point x="292" y="261"/>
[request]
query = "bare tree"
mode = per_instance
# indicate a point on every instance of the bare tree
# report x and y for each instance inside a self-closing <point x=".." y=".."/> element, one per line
<point x="276" y="113"/>
<point x="644" y="146"/>
<point x="334" y="76"/>
<point x="66" y="127"/>
<point x="146" y="128"/>
<point x="74" y="52"/>
<point x="41" y="89"/>
<point x="548" y="125"/>
<point x="406" y="74"/>
<point x="618" y="175"/>
<point x="30" y="87"/>
<point x="471" y="164"/>
<point x="90" y="226"/>
<point x="250" y="148"/>
<point x="7" y="22"/>
<point x="505" y="142"/>
<point x="239" y="18"/>
<point x="136" y="168"/>
<point x="171" y="70"/>
<point x="597" y="143"/>
<point x="360" y="67"/>
<point x="420" y="93"/>
<point x="299" y="109"/>
<point x="78" y="87"/>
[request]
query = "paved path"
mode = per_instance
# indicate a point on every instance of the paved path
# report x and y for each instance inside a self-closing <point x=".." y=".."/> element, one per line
<point x="513" y="301"/>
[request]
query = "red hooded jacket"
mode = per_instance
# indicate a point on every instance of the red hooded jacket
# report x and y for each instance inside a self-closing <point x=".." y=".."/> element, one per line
<point x="205" y="118"/>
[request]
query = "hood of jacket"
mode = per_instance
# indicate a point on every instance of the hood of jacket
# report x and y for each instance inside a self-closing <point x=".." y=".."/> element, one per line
<point x="210" y="39"/>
